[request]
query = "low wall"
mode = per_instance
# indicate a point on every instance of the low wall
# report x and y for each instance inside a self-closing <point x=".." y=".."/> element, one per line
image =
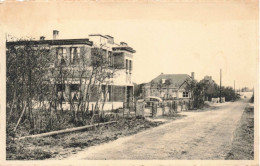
<point x="217" y="100"/>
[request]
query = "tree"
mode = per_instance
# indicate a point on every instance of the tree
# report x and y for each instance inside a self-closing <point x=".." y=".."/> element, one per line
<point x="138" y="88"/>
<point x="203" y="89"/>
<point x="229" y="94"/>
<point x="93" y="72"/>
<point x="197" y="92"/>
<point x="160" y="86"/>
<point x="152" y="85"/>
<point x="41" y="78"/>
<point x="26" y="70"/>
<point x="168" y="83"/>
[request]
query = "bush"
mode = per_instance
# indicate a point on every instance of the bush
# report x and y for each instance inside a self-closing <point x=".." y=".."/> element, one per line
<point x="252" y="99"/>
<point x="16" y="150"/>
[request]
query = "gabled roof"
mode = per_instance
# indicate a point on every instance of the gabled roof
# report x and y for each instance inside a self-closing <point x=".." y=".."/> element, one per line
<point x="177" y="80"/>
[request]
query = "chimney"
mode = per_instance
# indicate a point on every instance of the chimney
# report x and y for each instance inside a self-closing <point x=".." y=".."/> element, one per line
<point x="55" y="34"/>
<point x="192" y="75"/>
<point x="123" y="44"/>
<point x="42" y="38"/>
<point x="110" y="39"/>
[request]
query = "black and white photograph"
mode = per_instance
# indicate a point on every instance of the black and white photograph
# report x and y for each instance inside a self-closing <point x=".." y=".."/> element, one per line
<point x="129" y="82"/>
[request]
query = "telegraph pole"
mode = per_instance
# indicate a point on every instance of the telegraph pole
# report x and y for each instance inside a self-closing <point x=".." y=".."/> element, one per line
<point x="220" y="84"/>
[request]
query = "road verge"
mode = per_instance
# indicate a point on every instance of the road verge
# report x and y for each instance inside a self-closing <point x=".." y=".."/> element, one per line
<point x="243" y="142"/>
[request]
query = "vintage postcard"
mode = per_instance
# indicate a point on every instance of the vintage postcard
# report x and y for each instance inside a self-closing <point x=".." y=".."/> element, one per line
<point x="146" y="82"/>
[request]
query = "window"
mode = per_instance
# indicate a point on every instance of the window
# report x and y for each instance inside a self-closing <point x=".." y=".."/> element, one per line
<point x="74" y="55"/>
<point x="103" y="92"/>
<point x="174" y="94"/>
<point x="61" y="90"/>
<point x="126" y="66"/>
<point x="64" y="53"/>
<point x="163" y="81"/>
<point x="130" y="65"/>
<point x="110" y="63"/>
<point x="109" y="93"/>
<point x="74" y="90"/>
<point x="61" y="53"/>
<point x="185" y="94"/>
<point x="78" y="53"/>
<point x="71" y="54"/>
<point x="60" y="87"/>
<point x="74" y="87"/>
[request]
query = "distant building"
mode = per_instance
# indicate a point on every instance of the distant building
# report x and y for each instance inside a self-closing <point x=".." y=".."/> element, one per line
<point x="207" y="79"/>
<point x="69" y="53"/>
<point x="169" y="86"/>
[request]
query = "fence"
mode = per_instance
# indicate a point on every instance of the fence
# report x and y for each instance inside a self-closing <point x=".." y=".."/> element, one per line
<point x="140" y="109"/>
<point x="166" y="108"/>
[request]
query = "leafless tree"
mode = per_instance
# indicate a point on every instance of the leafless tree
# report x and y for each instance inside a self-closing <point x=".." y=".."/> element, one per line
<point x="36" y="79"/>
<point x="26" y="64"/>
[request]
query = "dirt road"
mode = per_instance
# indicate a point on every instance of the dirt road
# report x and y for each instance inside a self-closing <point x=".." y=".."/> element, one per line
<point x="200" y="135"/>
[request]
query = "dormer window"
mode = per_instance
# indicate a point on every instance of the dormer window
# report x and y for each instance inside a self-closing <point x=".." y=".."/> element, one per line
<point x="163" y="81"/>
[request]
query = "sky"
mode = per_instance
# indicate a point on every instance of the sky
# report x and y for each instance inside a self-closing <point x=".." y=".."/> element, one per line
<point x="169" y="37"/>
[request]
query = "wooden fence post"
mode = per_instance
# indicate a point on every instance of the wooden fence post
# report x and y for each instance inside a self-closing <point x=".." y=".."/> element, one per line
<point x="152" y="108"/>
<point x="177" y="105"/>
<point x="170" y="108"/>
<point x="174" y="106"/>
<point x="123" y="109"/>
<point x="163" y="109"/>
<point x="134" y="105"/>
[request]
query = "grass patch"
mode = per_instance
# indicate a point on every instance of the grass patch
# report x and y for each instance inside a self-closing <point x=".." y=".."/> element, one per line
<point x="243" y="142"/>
<point x="204" y="108"/>
<point x="61" y="146"/>
<point x="170" y="117"/>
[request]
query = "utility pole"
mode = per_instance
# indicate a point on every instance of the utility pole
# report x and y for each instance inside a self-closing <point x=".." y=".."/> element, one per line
<point x="220" y="85"/>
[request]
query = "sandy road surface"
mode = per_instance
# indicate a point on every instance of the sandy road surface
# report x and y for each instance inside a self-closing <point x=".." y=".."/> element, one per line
<point x="200" y="135"/>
